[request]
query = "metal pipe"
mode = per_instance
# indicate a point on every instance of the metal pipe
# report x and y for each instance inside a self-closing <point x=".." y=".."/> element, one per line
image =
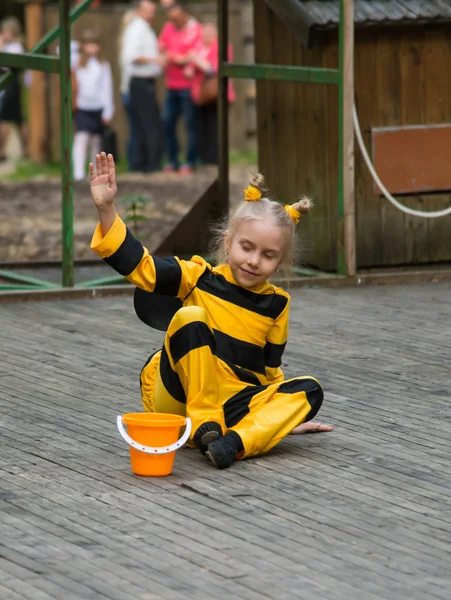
<point x="223" y="109"/>
<point x="67" y="182"/>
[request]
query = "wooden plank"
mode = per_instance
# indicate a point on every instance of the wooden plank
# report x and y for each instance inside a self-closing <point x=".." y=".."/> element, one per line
<point x="415" y="80"/>
<point x="75" y="523"/>
<point x="208" y="209"/>
<point x="437" y="110"/>
<point x="348" y="140"/>
<point x="373" y="93"/>
<point x="410" y="159"/>
<point x="393" y="59"/>
<point x="37" y="117"/>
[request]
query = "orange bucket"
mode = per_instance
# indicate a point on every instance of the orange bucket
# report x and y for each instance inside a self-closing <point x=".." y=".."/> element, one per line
<point x="153" y="439"/>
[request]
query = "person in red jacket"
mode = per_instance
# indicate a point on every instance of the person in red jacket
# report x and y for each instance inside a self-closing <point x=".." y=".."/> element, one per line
<point x="179" y="37"/>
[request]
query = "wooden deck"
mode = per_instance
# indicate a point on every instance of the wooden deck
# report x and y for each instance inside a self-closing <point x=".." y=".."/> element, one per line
<point x="363" y="513"/>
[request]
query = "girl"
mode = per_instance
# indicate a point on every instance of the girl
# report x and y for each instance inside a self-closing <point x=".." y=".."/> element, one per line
<point x="205" y="60"/>
<point x="10" y="102"/>
<point x="93" y="99"/>
<point x="220" y="362"/>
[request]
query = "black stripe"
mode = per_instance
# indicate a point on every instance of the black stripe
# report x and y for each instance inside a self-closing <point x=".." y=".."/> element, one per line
<point x="189" y="337"/>
<point x="243" y="354"/>
<point x="170" y="379"/>
<point x="237" y="407"/>
<point x="312" y="389"/>
<point x="128" y="256"/>
<point x="266" y="305"/>
<point x="242" y="374"/>
<point x="168" y="276"/>
<point x="273" y="354"/>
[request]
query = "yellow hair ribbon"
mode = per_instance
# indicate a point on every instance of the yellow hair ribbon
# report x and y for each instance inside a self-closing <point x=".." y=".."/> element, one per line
<point x="252" y="194"/>
<point x="292" y="213"/>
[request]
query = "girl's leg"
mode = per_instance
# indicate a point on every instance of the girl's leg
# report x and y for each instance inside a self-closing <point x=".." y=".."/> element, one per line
<point x="262" y="420"/>
<point x="81" y="141"/>
<point x="186" y="380"/>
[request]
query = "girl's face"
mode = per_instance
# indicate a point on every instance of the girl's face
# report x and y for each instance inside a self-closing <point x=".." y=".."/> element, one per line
<point x="91" y="48"/>
<point x="209" y="33"/>
<point x="255" y="251"/>
<point x="7" y="36"/>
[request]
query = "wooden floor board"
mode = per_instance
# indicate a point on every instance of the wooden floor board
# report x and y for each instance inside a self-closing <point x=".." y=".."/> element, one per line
<point x="361" y="513"/>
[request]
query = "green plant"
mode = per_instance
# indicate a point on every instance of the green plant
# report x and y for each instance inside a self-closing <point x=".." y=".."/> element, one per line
<point x="134" y="207"/>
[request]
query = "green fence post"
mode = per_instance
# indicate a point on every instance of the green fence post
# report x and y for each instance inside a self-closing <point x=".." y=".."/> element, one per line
<point x="67" y="182"/>
<point x="341" y="263"/>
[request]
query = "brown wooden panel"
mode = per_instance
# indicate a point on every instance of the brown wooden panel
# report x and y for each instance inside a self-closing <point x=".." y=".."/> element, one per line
<point x="413" y="159"/>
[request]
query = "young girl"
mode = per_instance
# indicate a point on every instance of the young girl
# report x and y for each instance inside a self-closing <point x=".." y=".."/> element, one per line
<point x="10" y="101"/>
<point x="220" y="362"/>
<point x="93" y="99"/>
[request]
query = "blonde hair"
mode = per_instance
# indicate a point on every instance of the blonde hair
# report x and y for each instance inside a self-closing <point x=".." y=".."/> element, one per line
<point x="89" y="36"/>
<point x="262" y="208"/>
<point x="13" y="25"/>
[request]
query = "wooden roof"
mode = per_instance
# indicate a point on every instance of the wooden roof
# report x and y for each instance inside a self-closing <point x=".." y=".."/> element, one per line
<point x="325" y="13"/>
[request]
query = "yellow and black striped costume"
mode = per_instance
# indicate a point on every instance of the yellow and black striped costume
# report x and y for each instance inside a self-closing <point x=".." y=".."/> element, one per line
<point x="223" y="349"/>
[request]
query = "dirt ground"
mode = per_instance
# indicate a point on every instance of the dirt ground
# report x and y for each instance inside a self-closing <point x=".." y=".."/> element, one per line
<point x="30" y="223"/>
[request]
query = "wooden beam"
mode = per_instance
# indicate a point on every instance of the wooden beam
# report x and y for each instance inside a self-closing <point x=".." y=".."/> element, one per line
<point x="192" y="234"/>
<point x="348" y="141"/>
<point x="346" y="238"/>
<point x="223" y="106"/>
<point x="294" y="16"/>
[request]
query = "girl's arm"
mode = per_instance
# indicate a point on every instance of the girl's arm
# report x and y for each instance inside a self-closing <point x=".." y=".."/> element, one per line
<point x="104" y="189"/>
<point x="115" y="243"/>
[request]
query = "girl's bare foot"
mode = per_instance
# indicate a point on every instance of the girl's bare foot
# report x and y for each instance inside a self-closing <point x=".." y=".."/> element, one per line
<point x="311" y="428"/>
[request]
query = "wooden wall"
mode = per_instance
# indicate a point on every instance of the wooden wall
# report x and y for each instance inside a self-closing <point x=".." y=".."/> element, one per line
<point x="107" y="20"/>
<point x="402" y="77"/>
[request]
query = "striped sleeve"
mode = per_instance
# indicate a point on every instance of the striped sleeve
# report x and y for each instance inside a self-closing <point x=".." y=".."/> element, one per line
<point x="276" y="341"/>
<point x="126" y="255"/>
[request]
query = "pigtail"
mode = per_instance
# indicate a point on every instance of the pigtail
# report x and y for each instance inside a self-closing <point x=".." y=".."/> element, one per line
<point x="255" y="189"/>
<point x="301" y="207"/>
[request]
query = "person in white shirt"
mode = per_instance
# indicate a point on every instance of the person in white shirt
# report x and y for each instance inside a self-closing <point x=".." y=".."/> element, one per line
<point x="141" y="61"/>
<point x="125" y="89"/>
<point x="10" y="101"/>
<point x="93" y="99"/>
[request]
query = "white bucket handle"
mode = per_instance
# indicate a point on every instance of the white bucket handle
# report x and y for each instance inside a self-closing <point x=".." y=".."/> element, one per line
<point x="151" y="449"/>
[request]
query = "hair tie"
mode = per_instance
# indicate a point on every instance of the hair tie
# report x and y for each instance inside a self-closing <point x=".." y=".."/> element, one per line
<point x="252" y="194"/>
<point x="292" y="213"/>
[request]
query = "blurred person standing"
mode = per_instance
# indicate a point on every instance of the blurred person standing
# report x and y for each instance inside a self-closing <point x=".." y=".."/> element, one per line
<point x="179" y="37"/>
<point x="11" y="99"/>
<point x="125" y="88"/>
<point x="204" y="91"/>
<point x="93" y="101"/>
<point x="141" y="60"/>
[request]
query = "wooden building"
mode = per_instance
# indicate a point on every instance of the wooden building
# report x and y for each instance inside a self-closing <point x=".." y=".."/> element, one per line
<point x="403" y="98"/>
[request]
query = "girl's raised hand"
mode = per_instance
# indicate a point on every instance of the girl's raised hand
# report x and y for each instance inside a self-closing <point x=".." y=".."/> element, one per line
<point x="103" y="180"/>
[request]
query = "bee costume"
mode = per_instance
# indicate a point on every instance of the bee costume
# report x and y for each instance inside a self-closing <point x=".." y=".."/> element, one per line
<point x="220" y="362"/>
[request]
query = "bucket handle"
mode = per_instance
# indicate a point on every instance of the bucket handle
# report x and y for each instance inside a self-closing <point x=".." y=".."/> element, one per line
<point x="151" y="449"/>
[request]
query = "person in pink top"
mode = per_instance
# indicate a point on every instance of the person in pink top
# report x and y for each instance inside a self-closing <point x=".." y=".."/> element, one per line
<point x="205" y="60"/>
<point x="178" y="38"/>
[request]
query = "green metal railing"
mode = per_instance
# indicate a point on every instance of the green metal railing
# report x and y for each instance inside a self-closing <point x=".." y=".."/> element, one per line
<point x="289" y="74"/>
<point x="37" y="61"/>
